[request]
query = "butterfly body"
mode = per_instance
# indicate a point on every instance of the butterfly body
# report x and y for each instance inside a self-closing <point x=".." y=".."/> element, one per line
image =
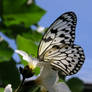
<point x="57" y="46"/>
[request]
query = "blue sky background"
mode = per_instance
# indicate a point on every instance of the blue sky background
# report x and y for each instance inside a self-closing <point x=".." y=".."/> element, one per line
<point x="82" y="8"/>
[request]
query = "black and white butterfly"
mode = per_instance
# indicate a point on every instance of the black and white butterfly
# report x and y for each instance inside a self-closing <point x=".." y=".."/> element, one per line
<point x="57" y="45"/>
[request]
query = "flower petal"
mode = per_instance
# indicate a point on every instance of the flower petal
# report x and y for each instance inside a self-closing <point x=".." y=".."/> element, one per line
<point x="40" y="29"/>
<point x="8" y="88"/>
<point x="24" y="54"/>
<point x="61" y="87"/>
<point x="31" y="61"/>
<point x="47" y="76"/>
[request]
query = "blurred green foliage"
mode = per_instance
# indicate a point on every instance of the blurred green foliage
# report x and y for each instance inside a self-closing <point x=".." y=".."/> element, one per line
<point x="16" y="18"/>
<point x="16" y="12"/>
<point x="2" y="89"/>
<point x="9" y="73"/>
<point x="75" y="84"/>
<point x="5" y="51"/>
<point x="30" y="47"/>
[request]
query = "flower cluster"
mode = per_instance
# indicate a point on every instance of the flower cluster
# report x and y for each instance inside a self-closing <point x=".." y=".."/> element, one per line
<point x="47" y="79"/>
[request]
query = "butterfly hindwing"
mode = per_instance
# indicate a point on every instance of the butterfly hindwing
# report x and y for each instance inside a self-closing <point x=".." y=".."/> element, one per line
<point x="68" y="59"/>
<point x="62" y="31"/>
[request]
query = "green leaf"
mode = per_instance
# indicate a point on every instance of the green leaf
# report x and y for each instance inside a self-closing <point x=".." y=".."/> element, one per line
<point x="1" y="89"/>
<point x="36" y="70"/>
<point x="5" y="51"/>
<point x="10" y="6"/>
<point x="29" y="86"/>
<point x="33" y="35"/>
<point x="75" y="84"/>
<point x="13" y="30"/>
<point x="9" y="74"/>
<point x="17" y="12"/>
<point x="26" y="45"/>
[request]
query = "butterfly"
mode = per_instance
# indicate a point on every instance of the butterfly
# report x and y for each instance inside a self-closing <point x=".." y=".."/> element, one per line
<point x="57" y="46"/>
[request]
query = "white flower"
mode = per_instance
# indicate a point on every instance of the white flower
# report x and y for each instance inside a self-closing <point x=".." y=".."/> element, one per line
<point x="61" y="87"/>
<point x="40" y="29"/>
<point x="29" y="2"/>
<point x="31" y="61"/>
<point x="8" y="88"/>
<point x="48" y="79"/>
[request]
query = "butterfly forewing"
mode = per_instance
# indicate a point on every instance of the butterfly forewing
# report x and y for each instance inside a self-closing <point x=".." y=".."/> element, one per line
<point x="57" y="45"/>
<point x="62" y="31"/>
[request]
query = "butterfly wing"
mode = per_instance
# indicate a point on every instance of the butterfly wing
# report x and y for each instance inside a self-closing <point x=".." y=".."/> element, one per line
<point x="62" y="31"/>
<point x="68" y="60"/>
<point x="57" y="45"/>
